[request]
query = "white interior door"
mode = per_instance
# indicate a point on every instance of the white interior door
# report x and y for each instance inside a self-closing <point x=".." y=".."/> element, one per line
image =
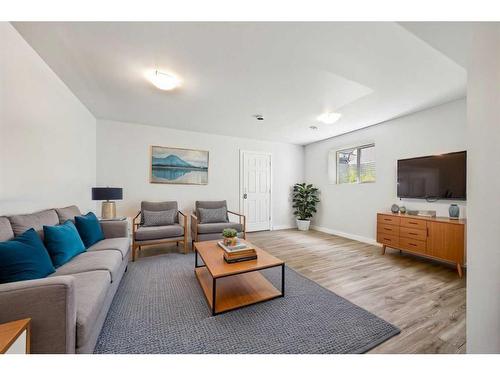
<point x="256" y="189"/>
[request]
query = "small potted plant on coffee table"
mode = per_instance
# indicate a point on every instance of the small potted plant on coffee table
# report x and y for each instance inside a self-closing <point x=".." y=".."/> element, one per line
<point x="230" y="236"/>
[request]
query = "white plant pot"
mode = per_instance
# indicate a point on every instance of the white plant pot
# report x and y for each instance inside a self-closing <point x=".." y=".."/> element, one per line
<point x="303" y="224"/>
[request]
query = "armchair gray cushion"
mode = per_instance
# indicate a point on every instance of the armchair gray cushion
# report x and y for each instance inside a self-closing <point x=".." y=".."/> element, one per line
<point x="6" y="232"/>
<point x="158" y="206"/>
<point x="210" y="204"/>
<point x="218" y="227"/>
<point x="159" y="218"/>
<point x="21" y="223"/>
<point x="158" y="233"/>
<point x="212" y="215"/>
<point x="67" y="213"/>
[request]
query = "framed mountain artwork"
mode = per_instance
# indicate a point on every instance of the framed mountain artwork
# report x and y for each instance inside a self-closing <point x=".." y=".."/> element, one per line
<point x="178" y="166"/>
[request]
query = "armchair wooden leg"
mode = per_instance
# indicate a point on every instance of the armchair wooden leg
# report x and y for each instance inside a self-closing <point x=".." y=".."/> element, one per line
<point x="459" y="270"/>
<point x="185" y="246"/>
<point x="133" y="252"/>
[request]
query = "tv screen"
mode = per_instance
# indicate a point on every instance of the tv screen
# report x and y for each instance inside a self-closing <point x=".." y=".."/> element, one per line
<point x="433" y="177"/>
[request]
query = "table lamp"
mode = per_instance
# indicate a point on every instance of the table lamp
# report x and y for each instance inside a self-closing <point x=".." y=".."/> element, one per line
<point x="107" y="194"/>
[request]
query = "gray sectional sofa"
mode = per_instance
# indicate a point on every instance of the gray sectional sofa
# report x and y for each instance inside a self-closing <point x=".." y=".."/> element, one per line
<point x="67" y="308"/>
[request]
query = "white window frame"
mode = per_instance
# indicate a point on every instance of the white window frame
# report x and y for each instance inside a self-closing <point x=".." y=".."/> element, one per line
<point x="358" y="163"/>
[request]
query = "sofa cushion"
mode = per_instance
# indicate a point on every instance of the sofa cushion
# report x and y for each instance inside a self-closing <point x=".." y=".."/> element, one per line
<point x="156" y="233"/>
<point x="6" y="232"/>
<point x="121" y="244"/>
<point x="89" y="229"/>
<point x="218" y="227"/>
<point x="159" y="218"/>
<point x="91" y="289"/>
<point x="62" y="242"/>
<point x="158" y="206"/>
<point x="24" y="258"/>
<point x="105" y="260"/>
<point x="21" y="223"/>
<point x="67" y="213"/>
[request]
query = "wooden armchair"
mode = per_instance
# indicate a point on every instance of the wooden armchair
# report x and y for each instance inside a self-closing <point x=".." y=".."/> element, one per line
<point x="212" y="231"/>
<point x="153" y="235"/>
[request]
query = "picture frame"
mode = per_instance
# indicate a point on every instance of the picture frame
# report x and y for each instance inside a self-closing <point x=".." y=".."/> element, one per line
<point x="173" y="165"/>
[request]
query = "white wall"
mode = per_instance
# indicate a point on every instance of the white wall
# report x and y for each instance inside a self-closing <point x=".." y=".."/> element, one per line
<point x="47" y="137"/>
<point x="350" y="209"/>
<point x="123" y="159"/>
<point x="483" y="241"/>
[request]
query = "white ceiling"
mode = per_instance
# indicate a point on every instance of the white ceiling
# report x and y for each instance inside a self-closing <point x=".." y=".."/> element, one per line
<point x="451" y="38"/>
<point x="288" y="72"/>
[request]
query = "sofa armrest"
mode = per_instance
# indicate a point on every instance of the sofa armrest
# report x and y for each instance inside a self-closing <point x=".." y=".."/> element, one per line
<point x="114" y="229"/>
<point x="50" y="303"/>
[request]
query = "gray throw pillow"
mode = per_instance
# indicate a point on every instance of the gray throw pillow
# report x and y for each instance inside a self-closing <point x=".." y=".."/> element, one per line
<point x="158" y="218"/>
<point x="213" y="215"/>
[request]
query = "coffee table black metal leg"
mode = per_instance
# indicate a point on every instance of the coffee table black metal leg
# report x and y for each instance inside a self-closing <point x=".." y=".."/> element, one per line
<point x="195" y="258"/>
<point x="283" y="280"/>
<point x="214" y="288"/>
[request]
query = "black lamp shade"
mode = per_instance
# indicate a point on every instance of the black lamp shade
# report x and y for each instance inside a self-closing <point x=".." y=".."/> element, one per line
<point x="106" y="193"/>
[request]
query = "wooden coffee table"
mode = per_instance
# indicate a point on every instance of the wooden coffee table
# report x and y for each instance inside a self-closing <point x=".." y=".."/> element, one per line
<point x="230" y="286"/>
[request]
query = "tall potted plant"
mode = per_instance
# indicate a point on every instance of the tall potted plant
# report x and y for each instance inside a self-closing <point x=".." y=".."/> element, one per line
<point x="305" y="199"/>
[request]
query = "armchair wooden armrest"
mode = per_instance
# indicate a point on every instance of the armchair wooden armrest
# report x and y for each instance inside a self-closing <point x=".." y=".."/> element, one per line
<point x="134" y="220"/>
<point x="241" y="218"/>
<point x="185" y="225"/>
<point x="135" y="225"/>
<point x="194" y="228"/>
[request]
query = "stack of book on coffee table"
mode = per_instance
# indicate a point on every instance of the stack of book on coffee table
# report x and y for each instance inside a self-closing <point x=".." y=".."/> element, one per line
<point x="238" y="253"/>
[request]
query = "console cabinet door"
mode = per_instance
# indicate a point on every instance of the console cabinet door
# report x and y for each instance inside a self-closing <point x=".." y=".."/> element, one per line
<point x="445" y="241"/>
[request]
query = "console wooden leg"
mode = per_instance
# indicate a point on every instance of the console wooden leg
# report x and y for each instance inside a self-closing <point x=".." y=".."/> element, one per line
<point x="383" y="249"/>
<point x="459" y="269"/>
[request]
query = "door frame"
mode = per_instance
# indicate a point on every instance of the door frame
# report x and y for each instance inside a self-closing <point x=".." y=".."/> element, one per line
<point x="241" y="200"/>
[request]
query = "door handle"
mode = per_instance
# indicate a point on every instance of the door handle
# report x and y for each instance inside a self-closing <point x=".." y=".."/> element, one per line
<point x="245" y="196"/>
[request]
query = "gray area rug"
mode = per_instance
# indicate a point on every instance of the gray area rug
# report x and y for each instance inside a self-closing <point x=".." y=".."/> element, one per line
<point x="160" y="308"/>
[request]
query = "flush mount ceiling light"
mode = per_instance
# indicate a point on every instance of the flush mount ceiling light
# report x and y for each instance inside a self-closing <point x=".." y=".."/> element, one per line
<point x="329" y="117"/>
<point x="312" y="127"/>
<point x="163" y="81"/>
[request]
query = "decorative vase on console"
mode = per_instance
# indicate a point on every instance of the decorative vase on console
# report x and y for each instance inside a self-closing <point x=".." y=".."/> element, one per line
<point x="454" y="211"/>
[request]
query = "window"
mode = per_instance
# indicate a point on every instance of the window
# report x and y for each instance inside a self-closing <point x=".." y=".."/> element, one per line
<point x="356" y="165"/>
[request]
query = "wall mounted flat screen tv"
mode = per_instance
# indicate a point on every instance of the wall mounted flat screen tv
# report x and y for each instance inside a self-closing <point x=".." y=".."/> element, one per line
<point x="433" y="177"/>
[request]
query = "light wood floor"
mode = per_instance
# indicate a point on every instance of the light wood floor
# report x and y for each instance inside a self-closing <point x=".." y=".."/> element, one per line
<point x="425" y="299"/>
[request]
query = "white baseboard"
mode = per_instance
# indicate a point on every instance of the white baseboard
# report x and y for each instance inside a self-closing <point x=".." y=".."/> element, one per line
<point x="355" y="237"/>
<point x="281" y="227"/>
